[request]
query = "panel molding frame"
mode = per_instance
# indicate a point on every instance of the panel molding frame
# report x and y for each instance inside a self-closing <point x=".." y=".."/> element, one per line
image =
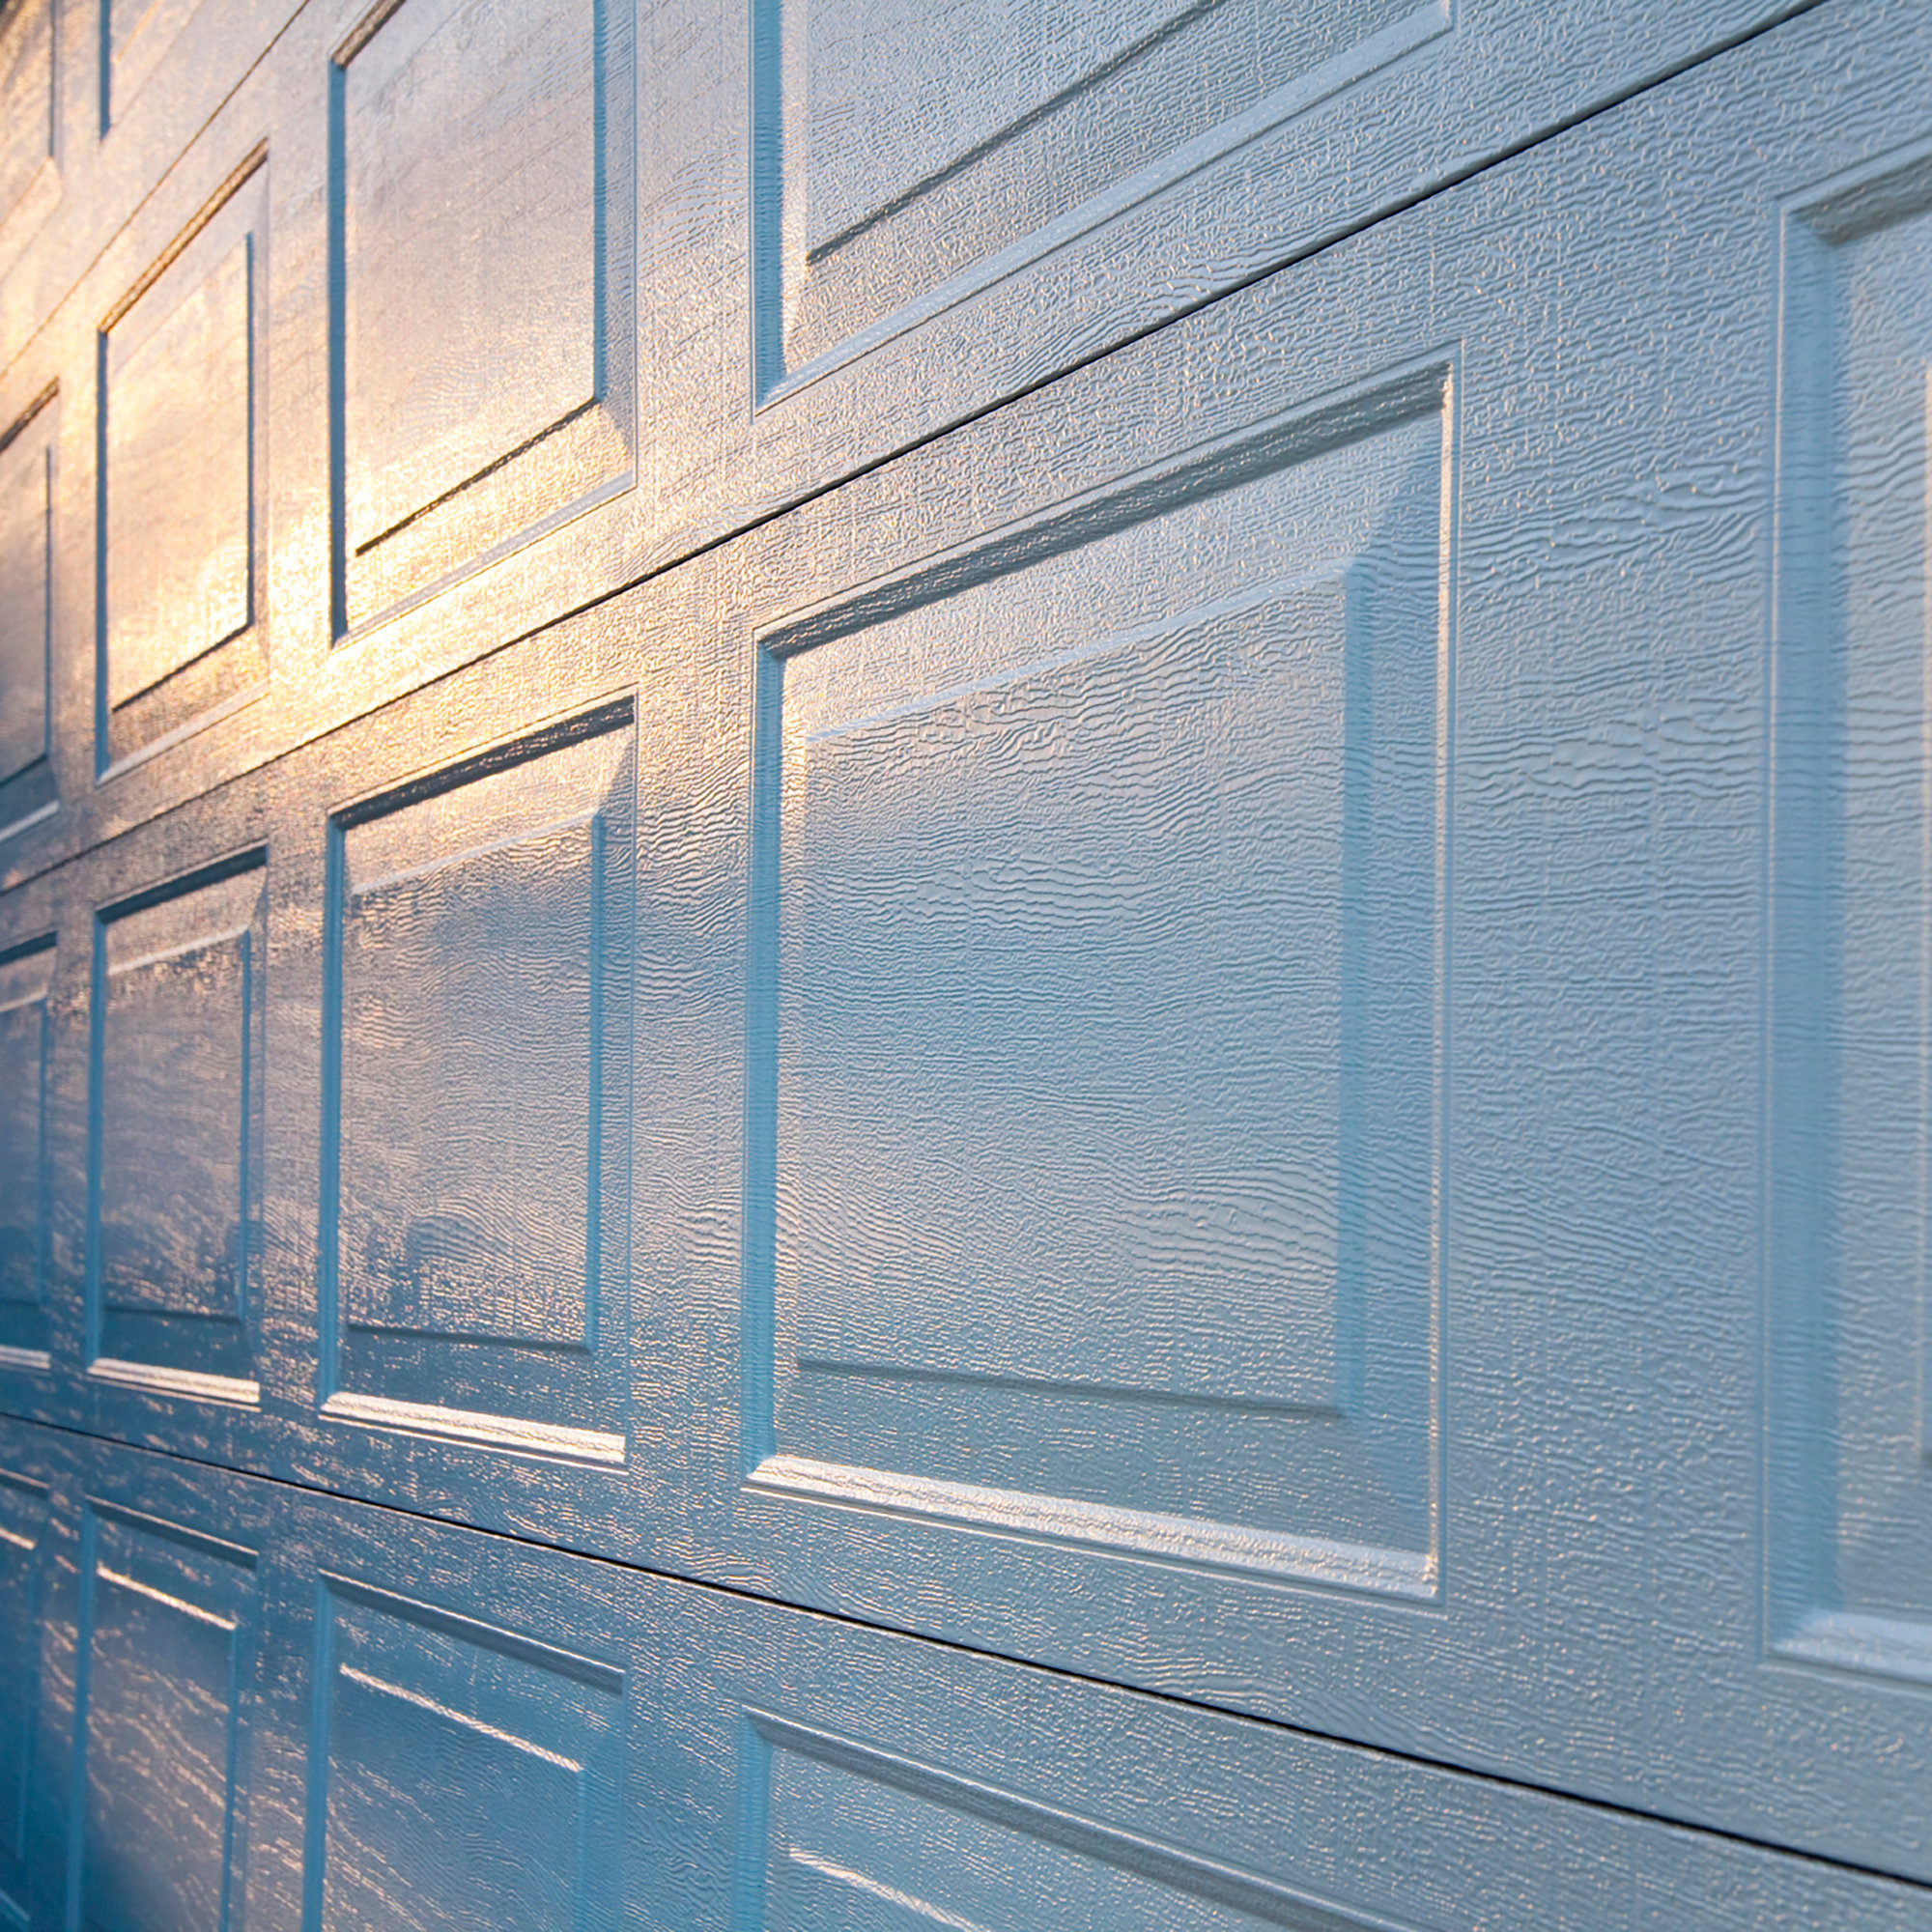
<point x="158" y="1379"/>
<point x="608" y="1258"/>
<point x="1800" y="1626"/>
<point x="353" y="613"/>
<point x="1424" y="385"/>
<point x="216" y="682"/>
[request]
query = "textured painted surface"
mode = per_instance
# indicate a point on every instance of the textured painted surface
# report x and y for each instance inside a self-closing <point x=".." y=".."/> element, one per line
<point x="964" y="967"/>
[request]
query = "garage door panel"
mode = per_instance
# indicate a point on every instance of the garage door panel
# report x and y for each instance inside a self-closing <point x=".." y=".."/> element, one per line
<point x="933" y="231"/>
<point x="520" y="343"/>
<point x="1107" y="1017"/>
<point x="1173" y="1076"/>
<point x="1848" y="1452"/>
<point x="428" y="1726"/>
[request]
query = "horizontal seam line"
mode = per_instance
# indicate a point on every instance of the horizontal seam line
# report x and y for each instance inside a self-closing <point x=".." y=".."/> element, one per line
<point x="1393" y="1753"/>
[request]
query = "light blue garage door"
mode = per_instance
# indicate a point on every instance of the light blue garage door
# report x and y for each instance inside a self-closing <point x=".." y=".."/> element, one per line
<point x="965" y="966"/>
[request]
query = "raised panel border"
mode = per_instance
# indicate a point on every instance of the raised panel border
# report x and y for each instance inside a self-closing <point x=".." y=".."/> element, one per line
<point x="353" y="613"/>
<point x="150" y="1378"/>
<point x="95" y="1511"/>
<point x="233" y="672"/>
<point x="29" y="796"/>
<point x="16" y="1356"/>
<point x="1303" y="431"/>
<point x="766" y="1732"/>
<point x="1797" y="1521"/>
<point x="776" y="251"/>
<point x="362" y="1410"/>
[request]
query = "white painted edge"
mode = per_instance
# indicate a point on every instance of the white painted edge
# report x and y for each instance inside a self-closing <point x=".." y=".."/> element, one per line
<point x="237" y="1391"/>
<point x="1847" y="1640"/>
<point x="1172" y="1539"/>
<point x="477" y="1428"/>
<point x="34" y="1361"/>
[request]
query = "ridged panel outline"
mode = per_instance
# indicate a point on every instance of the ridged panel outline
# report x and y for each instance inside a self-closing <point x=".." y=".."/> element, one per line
<point x="1429" y="383"/>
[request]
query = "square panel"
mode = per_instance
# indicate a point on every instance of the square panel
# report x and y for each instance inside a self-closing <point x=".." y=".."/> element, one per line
<point x="478" y="1203"/>
<point x="483" y="161"/>
<point x="441" y="1735"/>
<point x="26" y="1176"/>
<point x="166" y="1635"/>
<point x="1851" y="1445"/>
<point x="181" y="417"/>
<point x="1101" y="879"/>
<point x="179" y="1000"/>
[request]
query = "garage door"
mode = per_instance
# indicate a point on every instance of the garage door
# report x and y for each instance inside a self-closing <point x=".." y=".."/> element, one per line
<point x="965" y="967"/>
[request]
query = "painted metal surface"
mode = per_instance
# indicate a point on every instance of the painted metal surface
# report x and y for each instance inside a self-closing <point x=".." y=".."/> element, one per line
<point x="1058" y="878"/>
<point x="245" y="1703"/>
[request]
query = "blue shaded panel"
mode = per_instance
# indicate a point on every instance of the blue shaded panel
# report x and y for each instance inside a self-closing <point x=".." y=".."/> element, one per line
<point x="178" y="1048"/>
<point x="465" y="1779"/>
<point x="483" y="939"/>
<point x="164" y="1639"/>
<point x="1107" y="1017"/>
<point x="25" y="1043"/>
<point x="1849" y="1237"/>
<point x="857" y="1840"/>
<point x="23" y="1522"/>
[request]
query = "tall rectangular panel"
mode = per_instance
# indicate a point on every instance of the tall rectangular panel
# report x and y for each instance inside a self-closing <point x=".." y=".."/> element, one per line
<point x="26" y="1176"/>
<point x="181" y="417"/>
<point x="175" y="1179"/>
<point x="486" y="340"/>
<point x="477" y="1208"/>
<point x="1849" y="1234"/>
<point x="462" y="1774"/>
<point x="166" y="1633"/>
<point x="26" y="613"/>
<point x="24" y="1510"/>
<point x="1099" y="886"/>
<point x="27" y="105"/>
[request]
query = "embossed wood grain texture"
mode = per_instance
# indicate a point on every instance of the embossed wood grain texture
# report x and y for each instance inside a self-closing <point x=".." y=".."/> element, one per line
<point x="1536" y="1546"/>
<point x="1088" y="178"/>
<point x="428" y="1727"/>
<point x="130" y="84"/>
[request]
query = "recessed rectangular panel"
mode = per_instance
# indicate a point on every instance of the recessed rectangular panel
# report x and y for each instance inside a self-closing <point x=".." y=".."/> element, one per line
<point x="136" y="33"/>
<point x="916" y="146"/>
<point x="26" y="608"/>
<point x="179" y="998"/>
<point x="1107" y="1014"/>
<point x="857" y="1840"/>
<point x="26" y="1041"/>
<point x="481" y="1003"/>
<point x="165" y="1642"/>
<point x="26" y="97"/>
<point x="468" y="1781"/>
<point x="1853" y="1443"/>
<point x="23" y="1522"/>
<point x="178" y="415"/>
<point x="478" y="322"/>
